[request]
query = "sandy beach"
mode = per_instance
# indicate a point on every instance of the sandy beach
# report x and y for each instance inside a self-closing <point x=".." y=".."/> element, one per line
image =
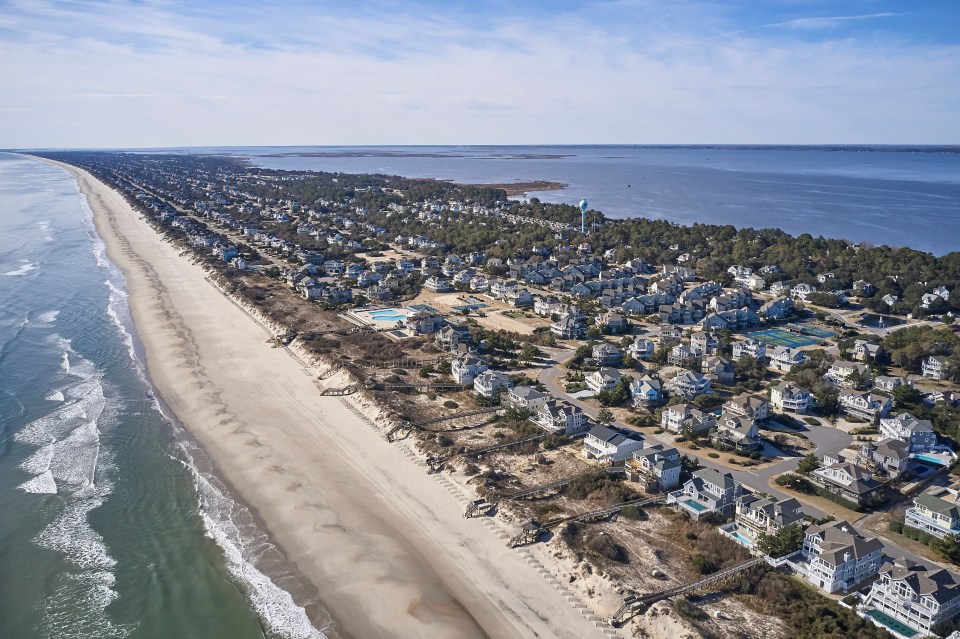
<point x="385" y="545"/>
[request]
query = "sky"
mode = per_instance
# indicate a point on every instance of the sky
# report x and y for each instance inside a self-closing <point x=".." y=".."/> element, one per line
<point x="170" y="73"/>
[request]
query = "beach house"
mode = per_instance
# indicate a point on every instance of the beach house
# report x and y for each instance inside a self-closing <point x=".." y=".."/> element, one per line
<point x="608" y="445"/>
<point x="642" y="348"/>
<point x="787" y="398"/>
<point x="465" y="368"/>
<point x="689" y="384"/>
<point x="646" y="392"/>
<point x="869" y="406"/>
<point x="914" y="594"/>
<point x="757" y="516"/>
<point x="738" y="433"/>
<point x="560" y="417"/>
<point x="935" y="367"/>
<point x="846" y="479"/>
<point x="748" y="405"/>
<point x="489" y="383"/>
<point x="837" y="557"/>
<point x="708" y="492"/>
<point x="917" y="434"/>
<point x="749" y="347"/>
<point x="656" y="469"/>
<point x="680" y="416"/>
<point x="935" y="511"/>
<point x="784" y="358"/>
<point x="525" y="398"/>
<point x="605" y="379"/>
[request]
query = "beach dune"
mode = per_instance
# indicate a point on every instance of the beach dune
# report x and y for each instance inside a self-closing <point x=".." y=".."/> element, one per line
<point x="385" y="545"/>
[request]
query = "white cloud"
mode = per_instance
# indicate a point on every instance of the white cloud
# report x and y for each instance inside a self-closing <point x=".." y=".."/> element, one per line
<point x="120" y="75"/>
<point x="828" y="22"/>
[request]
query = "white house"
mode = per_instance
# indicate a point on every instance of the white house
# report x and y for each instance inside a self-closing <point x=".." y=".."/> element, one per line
<point x="748" y="405"/>
<point x="708" y="491"/>
<point x="525" y="398"/>
<point x="848" y="374"/>
<point x="645" y="392"/>
<point x="784" y="358"/>
<point x="935" y="367"/>
<point x="488" y="383"/>
<point x="605" y="379"/>
<point x="656" y="468"/>
<point x="608" y="445"/>
<point x="560" y="417"/>
<point x="751" y="348"/>
<point x="787" y="398"/>
<point x="865" y="405"/>
<point x="642" y="348"/>
<point x="737" y="432"/>
<point x="837" y="557"/>
<point x="689" y="384"/>
<point x="765" y="515"/>
<point x="679" y="416"/>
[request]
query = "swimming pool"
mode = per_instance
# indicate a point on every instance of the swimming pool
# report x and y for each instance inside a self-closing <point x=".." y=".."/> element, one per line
<point x="933" y="460"/>
<point x="389" y="315"/>
<point x="696" y="506"/>
<point x="743" y="540"/>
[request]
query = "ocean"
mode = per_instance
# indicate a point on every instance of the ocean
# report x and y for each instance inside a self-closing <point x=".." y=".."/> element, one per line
<point x="899" y="197"/>
<point x="112" y="524"/>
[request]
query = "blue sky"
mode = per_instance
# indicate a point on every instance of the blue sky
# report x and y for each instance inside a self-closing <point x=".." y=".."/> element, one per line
<point x="119" y="73"/>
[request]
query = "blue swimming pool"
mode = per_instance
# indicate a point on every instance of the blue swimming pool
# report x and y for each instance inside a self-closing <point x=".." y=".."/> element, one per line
<point x="388" y="315"/>
<point x="933" y="460"/>
<point x="743" y="540"/>
<point x="697" y="507"/>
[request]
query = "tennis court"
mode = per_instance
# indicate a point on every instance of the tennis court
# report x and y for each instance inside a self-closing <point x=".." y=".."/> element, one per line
<point x="780" y="337"/>
<point x="813" y="330"/>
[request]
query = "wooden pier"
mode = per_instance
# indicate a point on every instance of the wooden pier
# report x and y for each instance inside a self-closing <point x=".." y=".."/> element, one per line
<point x="635" y="604"/>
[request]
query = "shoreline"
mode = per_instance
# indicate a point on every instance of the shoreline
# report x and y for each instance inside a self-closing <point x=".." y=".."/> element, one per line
<point x="405" y="562"/>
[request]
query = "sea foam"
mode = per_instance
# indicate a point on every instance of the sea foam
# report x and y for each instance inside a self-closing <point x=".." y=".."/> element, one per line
<point x="25" y="267"/>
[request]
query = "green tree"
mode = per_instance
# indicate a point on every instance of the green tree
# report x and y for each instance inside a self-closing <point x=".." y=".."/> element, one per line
<point x="605" y="416"/>
<point x="783" y="542"/>
<point x="808" y="464"/>
<point x="828" y="401"/>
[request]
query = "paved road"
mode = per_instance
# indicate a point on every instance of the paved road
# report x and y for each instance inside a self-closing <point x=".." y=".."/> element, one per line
<point x="825" y="438"/>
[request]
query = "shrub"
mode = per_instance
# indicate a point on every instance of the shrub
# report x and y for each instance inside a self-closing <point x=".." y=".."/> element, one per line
<point x="897" y="527"/>
<point x="450" y="404"/>
<point x="713" y="455"/>
<point x="702" y="565"/>
<point x="688" y="610"/>
<point x="604" y="546"/>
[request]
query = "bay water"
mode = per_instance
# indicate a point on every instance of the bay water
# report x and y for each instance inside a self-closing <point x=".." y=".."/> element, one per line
<point x="898" y="196"/>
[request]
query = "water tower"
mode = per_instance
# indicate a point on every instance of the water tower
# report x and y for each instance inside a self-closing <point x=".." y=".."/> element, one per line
<point x="583" y="216"/>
